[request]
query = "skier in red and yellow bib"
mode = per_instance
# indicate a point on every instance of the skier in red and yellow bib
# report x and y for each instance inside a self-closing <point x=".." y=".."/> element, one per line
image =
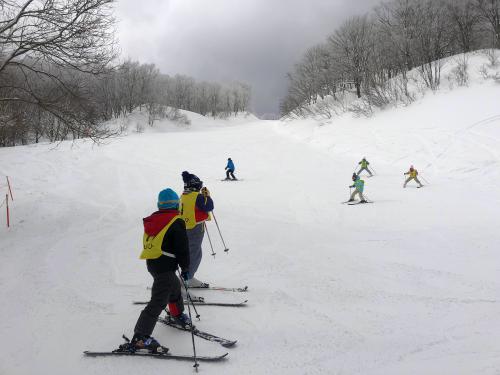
<point x="195" y="208"/>
<point x="412" y="173"/>
<point x="165" y="247"/>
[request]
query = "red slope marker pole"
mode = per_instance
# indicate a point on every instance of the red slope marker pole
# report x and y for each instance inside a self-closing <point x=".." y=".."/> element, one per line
<point x="10" y="190"/>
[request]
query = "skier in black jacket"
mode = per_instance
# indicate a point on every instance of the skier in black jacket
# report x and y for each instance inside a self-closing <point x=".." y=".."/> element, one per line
<point x="165" y="248"/>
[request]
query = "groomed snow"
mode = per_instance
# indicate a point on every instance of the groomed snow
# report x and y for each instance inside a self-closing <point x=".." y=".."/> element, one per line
<point x="407" y="285"/>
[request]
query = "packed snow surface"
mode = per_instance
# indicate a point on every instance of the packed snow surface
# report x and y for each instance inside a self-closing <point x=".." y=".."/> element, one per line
<point x="407" y="285"/>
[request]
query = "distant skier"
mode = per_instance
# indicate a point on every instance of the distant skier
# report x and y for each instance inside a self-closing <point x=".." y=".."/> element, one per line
<point x="359" y="184"/>
<point x="165" y="248"/>
<point x="230" y="170"/>
<point x="413" y="173"/>
<point x="195" y="209"/>
<point x="364" y="167"/>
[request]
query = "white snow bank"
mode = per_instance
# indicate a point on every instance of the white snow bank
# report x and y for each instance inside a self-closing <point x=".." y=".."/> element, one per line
<point x="448" y="132"/>
<point x="138" y="122"/>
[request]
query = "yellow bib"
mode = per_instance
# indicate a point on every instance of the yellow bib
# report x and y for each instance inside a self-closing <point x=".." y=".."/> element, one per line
<point x="152" y="244"/>
<point x="188" y="209"/>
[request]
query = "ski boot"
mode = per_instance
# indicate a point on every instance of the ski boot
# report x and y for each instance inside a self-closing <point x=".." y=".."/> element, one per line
<point x="149" y="343"/>
<point x="181" y="320"/>
<point x="195" y="283"/>
<point x="141" y="342"/>
<point x="193" y="298"/>
<point x="363" y="201"/>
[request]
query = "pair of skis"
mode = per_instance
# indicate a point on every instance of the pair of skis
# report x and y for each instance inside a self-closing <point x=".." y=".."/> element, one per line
<point x="354" y="203"/>
<point x="124" y="350"/>
<point x="200" y="301"/>
<point x="167" y="320"/>
<point x="128" y="351"/>
<point x="157" y="355"/>
<point x="219" y="288"/>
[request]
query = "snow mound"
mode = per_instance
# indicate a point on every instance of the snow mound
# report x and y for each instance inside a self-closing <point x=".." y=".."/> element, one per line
<point x="463" y="70"/>
<point x="139" y="121"/>
<point x="454" y="130"/>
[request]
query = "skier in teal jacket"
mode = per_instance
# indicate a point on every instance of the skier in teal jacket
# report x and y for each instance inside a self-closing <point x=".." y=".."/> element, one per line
<point x="359" y="186"/>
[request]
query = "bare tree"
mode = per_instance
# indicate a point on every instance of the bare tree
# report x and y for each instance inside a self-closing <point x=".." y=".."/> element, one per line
<point x="378" y="52"/>
<point x="433" y="40"/>
<point x="57" y="82"/>
<point x="214" y="99"/>
<point x="465" y="19"/>
<point x="396" y="21"/>
<point x="53" y="42"/>
<point x="489" y="11"/>
<point x="352" y="46"/>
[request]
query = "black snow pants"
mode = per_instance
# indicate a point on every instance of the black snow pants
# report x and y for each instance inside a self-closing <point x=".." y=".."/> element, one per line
<point x="166" y="289"/>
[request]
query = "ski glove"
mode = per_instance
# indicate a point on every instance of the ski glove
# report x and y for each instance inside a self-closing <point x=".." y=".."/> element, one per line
<point x="185" y="275"/>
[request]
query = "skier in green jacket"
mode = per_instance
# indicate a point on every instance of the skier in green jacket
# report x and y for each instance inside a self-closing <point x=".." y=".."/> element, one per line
<point x="364" y="167"/>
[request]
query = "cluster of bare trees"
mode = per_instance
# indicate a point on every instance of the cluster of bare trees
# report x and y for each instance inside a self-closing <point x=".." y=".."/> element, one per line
<point x="208" y="98"/>
<point x="47" y="49"/>
<point x="59" y="78"/>
<point x="374" y="53"/>
<point x="133" y="85"/>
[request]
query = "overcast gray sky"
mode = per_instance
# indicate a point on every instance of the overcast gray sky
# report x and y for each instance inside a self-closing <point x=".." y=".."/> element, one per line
<point x="254" y="41"/>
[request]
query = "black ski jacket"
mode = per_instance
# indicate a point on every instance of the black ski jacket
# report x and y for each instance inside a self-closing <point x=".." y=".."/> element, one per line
<point x="174" y="242"/>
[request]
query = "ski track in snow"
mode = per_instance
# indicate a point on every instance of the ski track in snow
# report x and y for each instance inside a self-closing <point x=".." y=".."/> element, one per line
<point x="408" y="285"/>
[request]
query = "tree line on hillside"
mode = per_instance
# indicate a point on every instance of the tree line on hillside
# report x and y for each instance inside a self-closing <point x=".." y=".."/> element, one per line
<point x="59" y="78"/>
<point x="133" y="85"/>
<point x="372" y="54"/>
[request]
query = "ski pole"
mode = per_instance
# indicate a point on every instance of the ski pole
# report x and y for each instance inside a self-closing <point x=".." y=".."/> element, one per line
<point x="374" y="171"/>
<point x="196" y="365"/>
<point x="220" y="234"/>
<point x="350" y="192"/>
<point x="209" y="240"/>
<point x="190" y="300"/>
<point x="423" y="178"/>
<point x="7" y="208"/>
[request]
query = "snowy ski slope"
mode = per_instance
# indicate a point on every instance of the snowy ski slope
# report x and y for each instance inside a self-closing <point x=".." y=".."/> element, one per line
<point x="407" y="285"/>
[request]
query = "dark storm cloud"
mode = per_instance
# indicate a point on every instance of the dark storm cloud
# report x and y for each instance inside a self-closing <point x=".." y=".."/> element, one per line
<point x="254" y="41"/>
